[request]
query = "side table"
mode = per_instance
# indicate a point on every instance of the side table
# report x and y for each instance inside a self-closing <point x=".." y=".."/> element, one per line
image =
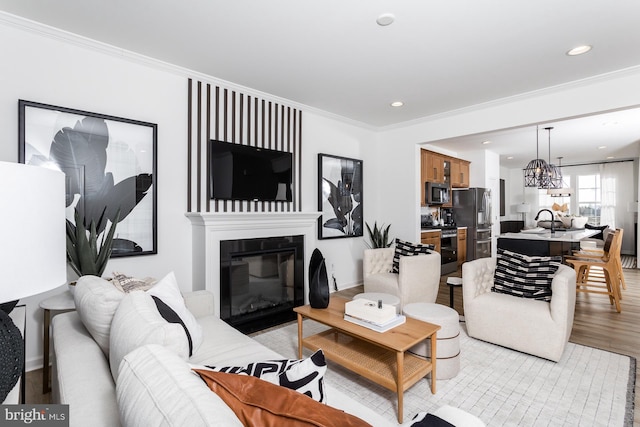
<point x="454" y="282"/>
<point x="58" y="303"/>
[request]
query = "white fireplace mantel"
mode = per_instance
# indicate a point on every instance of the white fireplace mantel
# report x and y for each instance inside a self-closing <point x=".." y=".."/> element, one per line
<point x="209" y="229"/>
<point x="253" y="220"/>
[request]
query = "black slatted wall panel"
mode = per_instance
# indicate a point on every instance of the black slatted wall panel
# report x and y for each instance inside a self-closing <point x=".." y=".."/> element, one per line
<point x="227" y="115"/>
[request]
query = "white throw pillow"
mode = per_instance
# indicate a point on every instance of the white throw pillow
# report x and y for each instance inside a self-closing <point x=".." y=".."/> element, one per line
<point x="168" y="291"/>
<point x="96" y="301"/>
<point x="137" y="322"/>
<point x="156" y="387"/>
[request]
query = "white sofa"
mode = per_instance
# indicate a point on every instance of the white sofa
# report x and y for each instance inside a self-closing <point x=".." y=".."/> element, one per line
<point x="418" y="279"/>
<point x="155" y="386"/>
<point x="82" y="377"/>
<point x="535" y="327"/>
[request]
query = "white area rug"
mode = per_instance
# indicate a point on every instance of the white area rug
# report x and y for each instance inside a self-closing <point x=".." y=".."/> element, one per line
<point x="588" y="387"/>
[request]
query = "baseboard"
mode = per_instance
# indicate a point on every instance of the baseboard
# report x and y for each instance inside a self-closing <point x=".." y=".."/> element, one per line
<point x="34" y="363"/>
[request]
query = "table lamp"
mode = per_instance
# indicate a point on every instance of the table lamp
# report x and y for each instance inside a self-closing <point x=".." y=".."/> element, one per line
<point x="524" y="209"/>
<point x="32" y="250"/>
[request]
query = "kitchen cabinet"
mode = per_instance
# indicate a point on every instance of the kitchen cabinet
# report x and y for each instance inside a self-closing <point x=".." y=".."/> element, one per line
<point x="424" y="175"/>
<point x="462" y="245"/>
<point x="435" y="168"/>
<point x="459" y="173"/>
<point x="431" y="238"/>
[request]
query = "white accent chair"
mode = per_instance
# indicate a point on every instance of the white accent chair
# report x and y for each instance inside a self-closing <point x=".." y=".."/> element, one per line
<point x="531" y="326"/>
<point x="418" y="280"/>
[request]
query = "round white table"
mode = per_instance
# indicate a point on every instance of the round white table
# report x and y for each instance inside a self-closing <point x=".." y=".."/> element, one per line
<point x="57" y="303"/>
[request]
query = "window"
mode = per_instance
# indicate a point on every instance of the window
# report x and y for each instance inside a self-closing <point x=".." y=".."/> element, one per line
<point x="545" y="201"/>
<point x="590" y="197"/>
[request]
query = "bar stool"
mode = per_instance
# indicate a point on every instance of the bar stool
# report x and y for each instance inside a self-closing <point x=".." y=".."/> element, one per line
<point x="610" y="277"/>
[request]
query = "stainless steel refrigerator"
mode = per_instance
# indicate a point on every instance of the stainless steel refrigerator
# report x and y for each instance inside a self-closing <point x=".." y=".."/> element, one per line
<point x="472" y="209"/>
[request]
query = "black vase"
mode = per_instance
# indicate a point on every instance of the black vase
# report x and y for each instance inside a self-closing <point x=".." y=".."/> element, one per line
<point x="318" y="281"/>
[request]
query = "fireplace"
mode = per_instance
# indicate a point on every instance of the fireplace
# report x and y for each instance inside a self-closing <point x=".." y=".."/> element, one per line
<point x="261" y="281"/>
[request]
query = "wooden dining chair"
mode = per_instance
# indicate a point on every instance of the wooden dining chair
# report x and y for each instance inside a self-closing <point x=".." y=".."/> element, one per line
<point x="600" y="272"/>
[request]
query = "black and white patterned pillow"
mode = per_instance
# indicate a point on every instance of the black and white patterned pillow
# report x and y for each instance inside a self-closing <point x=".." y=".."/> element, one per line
<point x="404" y="248"/>
<point x="423" y="419"/>
<point x="305" y="376"/>
<point x="525" y="276"/>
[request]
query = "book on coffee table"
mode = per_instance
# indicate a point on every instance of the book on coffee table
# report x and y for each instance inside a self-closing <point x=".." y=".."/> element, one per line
<point x="378" y="327"/>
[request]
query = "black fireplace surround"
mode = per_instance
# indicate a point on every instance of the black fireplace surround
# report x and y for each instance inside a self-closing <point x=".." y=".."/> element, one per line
<point x="261" y="281"/>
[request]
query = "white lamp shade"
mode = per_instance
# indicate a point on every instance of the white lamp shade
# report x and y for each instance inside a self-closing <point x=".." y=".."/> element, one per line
<point x="523" y="208"/>
<point x="32" y="230"/>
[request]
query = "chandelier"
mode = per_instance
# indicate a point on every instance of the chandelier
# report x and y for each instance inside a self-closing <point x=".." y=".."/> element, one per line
<point x="561" y="190"/>
<point x="536" y="173"/>
<point x="554" y="173"/>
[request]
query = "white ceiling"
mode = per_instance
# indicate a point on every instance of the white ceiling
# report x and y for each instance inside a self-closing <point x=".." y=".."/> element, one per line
<point x="331" y="54"/>
<point x="602" y="137"/>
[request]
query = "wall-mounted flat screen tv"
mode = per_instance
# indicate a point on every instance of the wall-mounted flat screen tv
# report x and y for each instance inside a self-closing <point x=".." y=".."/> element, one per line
<point x="243" y="172"/>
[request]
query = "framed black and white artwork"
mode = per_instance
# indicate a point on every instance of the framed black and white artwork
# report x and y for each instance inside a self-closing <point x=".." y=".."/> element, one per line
<point x="339" y="197"/>
<point x="109" y="165"/>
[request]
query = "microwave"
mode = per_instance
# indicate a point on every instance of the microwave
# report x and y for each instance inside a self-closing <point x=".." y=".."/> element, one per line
<point x="436" y="193"/>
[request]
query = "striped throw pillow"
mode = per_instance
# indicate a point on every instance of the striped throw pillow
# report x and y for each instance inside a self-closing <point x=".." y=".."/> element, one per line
<point x="408" y="249"/>
<point x="525" y="276"/>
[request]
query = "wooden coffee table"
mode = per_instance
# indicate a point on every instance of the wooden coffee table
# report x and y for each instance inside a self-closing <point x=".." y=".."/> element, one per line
<point x="379" y="357"/>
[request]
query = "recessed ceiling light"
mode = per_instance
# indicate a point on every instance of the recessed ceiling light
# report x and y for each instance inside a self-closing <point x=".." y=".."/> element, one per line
<point x="510" y="158"/>
<point x="611" y="157"/>
<point x="385" y="19"/>
<point x="397" y="104"/>
<point x="486" y="142"/>
<point x="579" y="50"/>
<point x="602" y="147"/>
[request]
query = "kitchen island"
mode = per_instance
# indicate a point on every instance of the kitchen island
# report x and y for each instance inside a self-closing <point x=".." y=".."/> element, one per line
<point x="542" y="242"/>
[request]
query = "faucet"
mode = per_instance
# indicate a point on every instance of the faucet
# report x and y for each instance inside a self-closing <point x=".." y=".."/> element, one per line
<point x="553" y="226"/>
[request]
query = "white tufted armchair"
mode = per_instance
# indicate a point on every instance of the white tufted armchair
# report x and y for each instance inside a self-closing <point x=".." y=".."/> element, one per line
<point x="418" y="280"/>
<point x="531" y="326"/>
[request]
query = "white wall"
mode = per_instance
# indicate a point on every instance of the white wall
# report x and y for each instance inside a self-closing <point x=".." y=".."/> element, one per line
<point x="322" y="135"/>
<point x="59" y="69"/>
<point x="56" y="72"/>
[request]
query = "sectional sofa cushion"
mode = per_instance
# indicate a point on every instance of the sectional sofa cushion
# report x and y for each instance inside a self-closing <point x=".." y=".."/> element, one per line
<point x="305" y="376"/>
<point x="138" y="322"/>
<point x="157" y="388"/>
<point x="260" y="403"/>
<point x="96" y="301"/>
<point x="525" y="276"/>
<point x="404" y="248"/>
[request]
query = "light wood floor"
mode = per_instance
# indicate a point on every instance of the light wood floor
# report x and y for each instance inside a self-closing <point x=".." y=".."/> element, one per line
<point x="596" y="324"/>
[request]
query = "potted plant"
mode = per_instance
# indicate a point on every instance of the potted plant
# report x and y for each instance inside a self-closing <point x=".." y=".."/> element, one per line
<point x="379" y="237"/>
<point x="87" y="250"/>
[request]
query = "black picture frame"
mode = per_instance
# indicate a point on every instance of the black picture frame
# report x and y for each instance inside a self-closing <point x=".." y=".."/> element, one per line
<point x="110" y="165"/>
<point x="340" y="201"/>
